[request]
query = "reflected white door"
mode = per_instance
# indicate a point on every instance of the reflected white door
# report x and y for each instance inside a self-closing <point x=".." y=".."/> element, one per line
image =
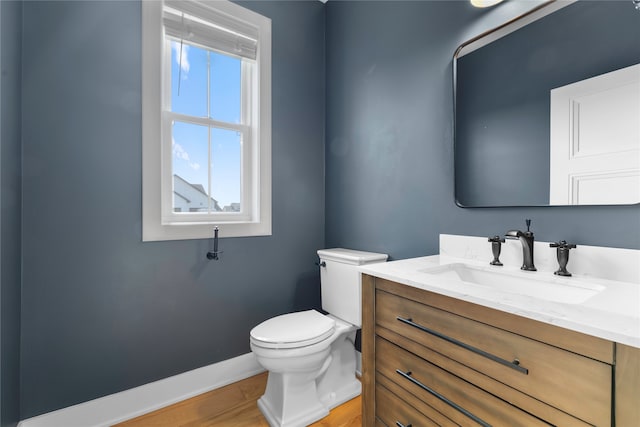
<point x="595" y="140"/>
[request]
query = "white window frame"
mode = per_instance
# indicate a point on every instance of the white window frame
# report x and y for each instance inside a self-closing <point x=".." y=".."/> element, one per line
<point x="159" y="222"/>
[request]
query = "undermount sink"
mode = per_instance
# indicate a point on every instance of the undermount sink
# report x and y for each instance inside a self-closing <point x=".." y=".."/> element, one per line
<point x="556" y="289"/>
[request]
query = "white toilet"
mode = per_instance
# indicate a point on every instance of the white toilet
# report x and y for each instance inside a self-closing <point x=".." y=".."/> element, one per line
<point x="310" y="356"/>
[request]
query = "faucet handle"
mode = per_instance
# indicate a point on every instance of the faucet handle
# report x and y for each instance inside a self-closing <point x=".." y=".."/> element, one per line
<point x="562" y="253"/>
<point x="528" y="222"/>
<point x="562" y="244"/>
<point x="496" y="242"/>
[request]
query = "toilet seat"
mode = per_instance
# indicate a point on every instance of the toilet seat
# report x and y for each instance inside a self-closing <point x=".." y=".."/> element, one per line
<point x="293" y="330"/>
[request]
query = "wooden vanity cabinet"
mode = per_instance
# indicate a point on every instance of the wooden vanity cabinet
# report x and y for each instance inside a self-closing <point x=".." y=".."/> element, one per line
<point x="627" y="380"/>
<point x="429" y="359"/>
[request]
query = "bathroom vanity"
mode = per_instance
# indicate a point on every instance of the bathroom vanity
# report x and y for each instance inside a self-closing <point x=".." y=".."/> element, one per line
<point x="437" y="351"/>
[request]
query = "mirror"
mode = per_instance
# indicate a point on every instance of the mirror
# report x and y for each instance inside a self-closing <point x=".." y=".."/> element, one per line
<point x="519" y="118"/>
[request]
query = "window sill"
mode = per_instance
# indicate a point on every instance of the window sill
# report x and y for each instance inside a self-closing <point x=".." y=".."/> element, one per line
<point x="158" y="232"/>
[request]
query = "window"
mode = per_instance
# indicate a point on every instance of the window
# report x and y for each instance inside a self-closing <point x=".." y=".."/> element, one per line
<point x="206" y="126"/>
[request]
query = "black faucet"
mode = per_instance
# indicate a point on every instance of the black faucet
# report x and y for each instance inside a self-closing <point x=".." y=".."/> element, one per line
<point x="526" y="238"/>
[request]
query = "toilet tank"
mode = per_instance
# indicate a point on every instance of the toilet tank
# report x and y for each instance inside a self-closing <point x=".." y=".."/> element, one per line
<point x="341" y="281"/>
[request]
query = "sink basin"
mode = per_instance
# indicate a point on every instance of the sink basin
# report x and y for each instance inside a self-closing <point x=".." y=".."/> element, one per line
<point x="566" y="290"/>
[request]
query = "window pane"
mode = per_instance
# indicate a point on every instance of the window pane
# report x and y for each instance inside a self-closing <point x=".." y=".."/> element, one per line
<point x="190" y="151"/>
<point x="188" y="79"/>
<point x="225" y="169"/>
<point x="225" y="87"/>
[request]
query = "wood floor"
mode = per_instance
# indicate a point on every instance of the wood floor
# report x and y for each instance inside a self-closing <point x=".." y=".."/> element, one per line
<point x="235" y="406"/>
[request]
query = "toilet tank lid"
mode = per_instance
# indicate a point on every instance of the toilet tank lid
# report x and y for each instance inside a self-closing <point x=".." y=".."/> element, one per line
<point x="350" y="256"/>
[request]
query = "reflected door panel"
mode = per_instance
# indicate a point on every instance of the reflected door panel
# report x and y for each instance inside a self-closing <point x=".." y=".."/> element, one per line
<point x="595" y="140"/>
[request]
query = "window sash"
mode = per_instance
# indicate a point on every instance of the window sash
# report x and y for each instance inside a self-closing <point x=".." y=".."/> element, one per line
<point x="246" y="189"/>
<point x="249" y="203"/>
<point x="204" y="121"/>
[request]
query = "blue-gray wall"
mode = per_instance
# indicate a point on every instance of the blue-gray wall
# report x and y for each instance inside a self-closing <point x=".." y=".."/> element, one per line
<point x="102" y="311"/>
<point x="10" y="211"/>
<point x="389" y="144"/>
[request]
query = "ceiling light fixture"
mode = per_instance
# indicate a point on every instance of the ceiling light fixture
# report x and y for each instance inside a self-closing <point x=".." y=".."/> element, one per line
<point x="484" y="3"/>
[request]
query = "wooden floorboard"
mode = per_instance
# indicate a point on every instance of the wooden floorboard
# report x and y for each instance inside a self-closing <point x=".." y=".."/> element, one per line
<point x="235" y="405"/>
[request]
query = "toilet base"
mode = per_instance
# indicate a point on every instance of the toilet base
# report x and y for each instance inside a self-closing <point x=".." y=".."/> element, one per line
<point x="338" y="383"/>
<point x="301" y="406"/>
<point x="299" y="421"/>
<point x="342" y="395"/>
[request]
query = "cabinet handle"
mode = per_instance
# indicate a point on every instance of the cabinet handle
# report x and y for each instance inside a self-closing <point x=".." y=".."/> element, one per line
<point x="513" y="365"/>
<point x="407" y="375"/>
<point x="399" y="424"/>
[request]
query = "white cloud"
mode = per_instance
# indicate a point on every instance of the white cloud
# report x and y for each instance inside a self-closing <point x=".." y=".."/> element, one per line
<point x="179" y="151"/>
<point x="182" y="58"/>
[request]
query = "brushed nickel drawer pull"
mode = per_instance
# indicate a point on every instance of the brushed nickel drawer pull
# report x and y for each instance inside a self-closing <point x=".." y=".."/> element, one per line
<point x="513" y="365"/>
<point x="407" y="375"/>
<point x="399" y="424"/>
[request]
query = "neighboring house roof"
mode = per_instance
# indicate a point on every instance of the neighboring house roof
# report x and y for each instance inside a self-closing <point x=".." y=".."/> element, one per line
<point x="197" y="187"/>
<point x="233" y="207"/>
<point x="182" y="197"/>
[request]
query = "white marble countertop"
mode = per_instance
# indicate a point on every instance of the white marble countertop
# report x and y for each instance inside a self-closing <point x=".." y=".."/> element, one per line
<point x="612" y="314"/>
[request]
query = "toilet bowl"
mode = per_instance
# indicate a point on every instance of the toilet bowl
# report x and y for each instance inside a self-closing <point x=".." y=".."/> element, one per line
<point x="311" y="356"/>
<point x="306" y="381"/>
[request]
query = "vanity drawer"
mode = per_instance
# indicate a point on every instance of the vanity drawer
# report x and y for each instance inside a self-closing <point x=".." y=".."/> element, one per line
<point x="549" y="374"/>
<point x="457" y="399"/>
<point x="409" y="399"/>
<point x="394" y="412"/>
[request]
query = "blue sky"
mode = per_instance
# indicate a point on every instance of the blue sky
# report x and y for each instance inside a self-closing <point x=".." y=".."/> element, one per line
<point x="189" y="95"/>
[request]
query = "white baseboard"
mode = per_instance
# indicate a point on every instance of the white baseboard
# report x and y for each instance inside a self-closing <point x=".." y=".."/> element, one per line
<point x="108" y="410"/>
